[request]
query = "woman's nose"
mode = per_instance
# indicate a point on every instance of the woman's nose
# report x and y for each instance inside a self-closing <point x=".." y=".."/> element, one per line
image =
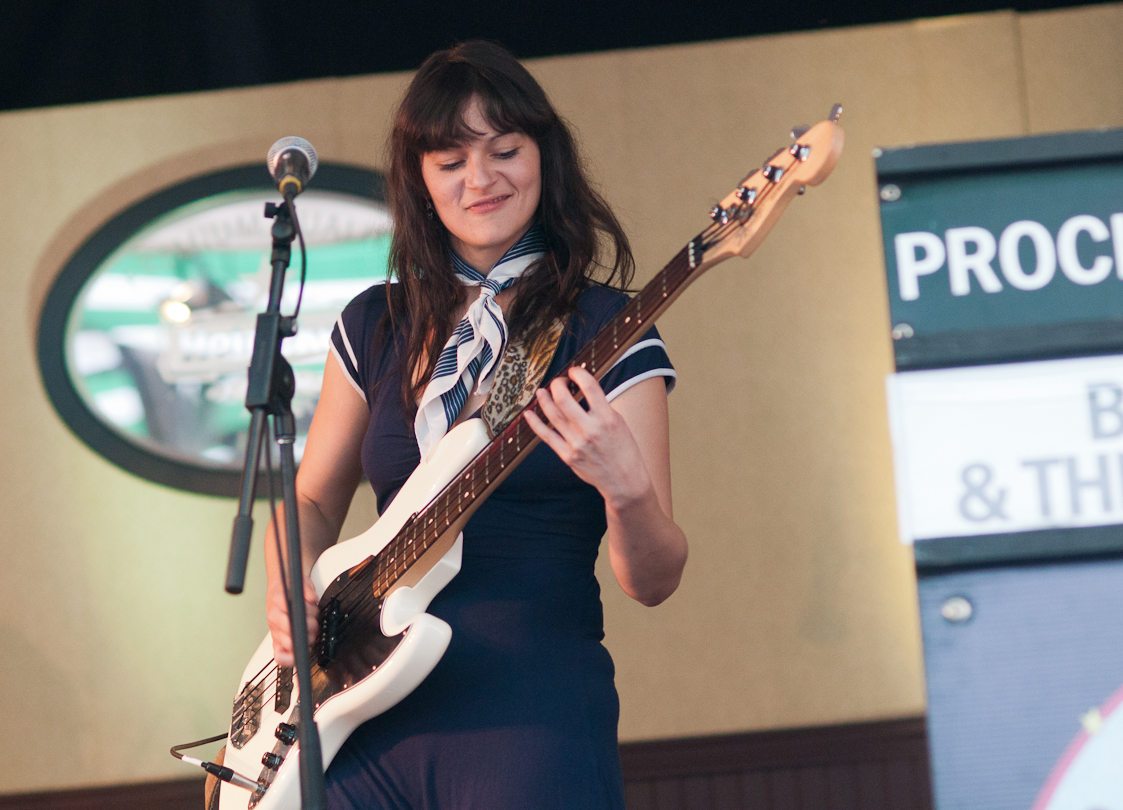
<point x="479" y="174"/>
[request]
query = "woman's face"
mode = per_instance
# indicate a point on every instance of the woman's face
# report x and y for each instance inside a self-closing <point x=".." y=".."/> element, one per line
<point x="485" y="191"/>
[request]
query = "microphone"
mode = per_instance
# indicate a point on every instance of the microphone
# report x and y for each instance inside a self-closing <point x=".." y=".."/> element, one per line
<point x="292" y="161"/>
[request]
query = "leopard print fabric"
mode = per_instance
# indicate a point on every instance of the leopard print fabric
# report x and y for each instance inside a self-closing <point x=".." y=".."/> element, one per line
<point x="517" y="377"/>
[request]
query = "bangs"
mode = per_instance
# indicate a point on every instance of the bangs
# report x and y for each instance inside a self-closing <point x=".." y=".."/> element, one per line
<point x="439" y="123"/>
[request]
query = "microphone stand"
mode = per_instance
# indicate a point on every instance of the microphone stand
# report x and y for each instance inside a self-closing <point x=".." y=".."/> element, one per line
<point x="270" y="390"/>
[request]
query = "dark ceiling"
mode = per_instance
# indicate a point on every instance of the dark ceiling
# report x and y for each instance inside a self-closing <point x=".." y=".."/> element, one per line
<point x="67" y="51"/>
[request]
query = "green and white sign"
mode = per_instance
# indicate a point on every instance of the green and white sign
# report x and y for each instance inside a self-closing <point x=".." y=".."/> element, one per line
<point x="1004" y="250"/>
<point x="161" y="335"/>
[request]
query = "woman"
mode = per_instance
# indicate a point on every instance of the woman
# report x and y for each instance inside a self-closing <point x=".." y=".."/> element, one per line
<point x="521" y="712"/>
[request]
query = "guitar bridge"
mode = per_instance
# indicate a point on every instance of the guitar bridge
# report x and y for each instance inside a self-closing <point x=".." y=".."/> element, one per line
<point x="247" y="714"/>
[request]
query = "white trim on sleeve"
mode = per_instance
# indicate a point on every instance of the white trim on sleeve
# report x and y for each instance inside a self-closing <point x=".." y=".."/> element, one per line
<point x="643" y="344"/>
<point x="347" y="342"/>
<point x="346" y="373"/>
<point x="647" y="375"/>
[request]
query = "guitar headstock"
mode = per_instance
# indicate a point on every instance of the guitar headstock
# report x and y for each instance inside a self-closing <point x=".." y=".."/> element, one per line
<point x="745" y="216"/>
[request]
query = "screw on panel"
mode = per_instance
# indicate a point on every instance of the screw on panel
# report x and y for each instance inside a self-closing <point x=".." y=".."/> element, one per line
<point x="890" y="193"/>
<point x="902" y="331"/>
<point x="957" y="609"/>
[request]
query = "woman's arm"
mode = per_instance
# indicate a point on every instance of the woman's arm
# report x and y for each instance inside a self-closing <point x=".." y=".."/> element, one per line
<point x="622" y="449"/>
<point x="329" y="473"/>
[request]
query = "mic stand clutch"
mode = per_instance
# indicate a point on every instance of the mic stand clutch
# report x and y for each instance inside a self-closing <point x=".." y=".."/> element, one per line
<point x="270" y="390"/>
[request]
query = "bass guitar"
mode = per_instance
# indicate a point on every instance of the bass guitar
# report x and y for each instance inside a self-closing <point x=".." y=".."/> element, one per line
<point x="376" y="641"/>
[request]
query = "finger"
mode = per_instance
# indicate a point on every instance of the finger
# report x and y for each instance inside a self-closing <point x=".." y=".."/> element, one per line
<point x="594" y="394"/>
<point x="283" y="655"/>
<point x="311" y="610"/>
<point x="282" y="645"/>
<point x="561" y="421"/>
<point x="544" y="432"/>
<point x="571" y="418"/>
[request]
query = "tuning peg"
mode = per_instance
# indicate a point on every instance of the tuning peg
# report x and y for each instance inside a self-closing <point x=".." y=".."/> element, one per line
<point x="799" y="131"/>
<point x="836" y="113"/>
<point x="772" y="173"/>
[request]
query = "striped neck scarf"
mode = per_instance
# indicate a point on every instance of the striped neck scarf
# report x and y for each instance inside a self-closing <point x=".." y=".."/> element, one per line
<point x="469" y="357"/>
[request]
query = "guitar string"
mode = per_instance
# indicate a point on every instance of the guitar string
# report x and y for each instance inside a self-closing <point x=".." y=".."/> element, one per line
<point x="366" y="603"/>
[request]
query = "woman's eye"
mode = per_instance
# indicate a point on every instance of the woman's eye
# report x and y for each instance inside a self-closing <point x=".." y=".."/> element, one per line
<point x="451" y="166"/>
<point x="508" y="154"/>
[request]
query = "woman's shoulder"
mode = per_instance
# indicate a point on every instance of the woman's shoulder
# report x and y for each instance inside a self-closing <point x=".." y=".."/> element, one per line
<point x="365" y="310"/>
<point x="355" y="328"/>
<point x="371" y="301"/>
<point x="598" y="302"/>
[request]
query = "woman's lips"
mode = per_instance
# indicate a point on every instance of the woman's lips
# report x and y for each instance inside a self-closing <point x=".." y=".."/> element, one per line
<point x="488" y="204"/>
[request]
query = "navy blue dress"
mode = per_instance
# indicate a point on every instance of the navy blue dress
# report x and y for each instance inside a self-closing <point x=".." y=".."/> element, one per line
<point x="521" y="712"/>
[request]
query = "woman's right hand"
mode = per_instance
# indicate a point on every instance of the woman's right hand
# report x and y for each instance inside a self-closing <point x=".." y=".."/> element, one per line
<point x="277" y="616"/>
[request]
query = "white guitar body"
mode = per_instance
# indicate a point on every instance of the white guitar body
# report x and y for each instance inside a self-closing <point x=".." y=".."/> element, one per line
<point x="424" y="642"/>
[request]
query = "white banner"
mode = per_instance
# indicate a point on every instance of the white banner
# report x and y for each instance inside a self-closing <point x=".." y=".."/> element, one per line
<point x="1008" y="448"/>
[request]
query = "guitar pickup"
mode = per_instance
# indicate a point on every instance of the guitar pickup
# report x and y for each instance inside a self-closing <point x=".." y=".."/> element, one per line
<point x="330" y="625"/>
<point x="284" y="690"/>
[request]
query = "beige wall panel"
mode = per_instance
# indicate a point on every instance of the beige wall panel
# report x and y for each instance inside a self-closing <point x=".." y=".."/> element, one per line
<point x="116" y="639"/>
<point x="798" y="605"/>
<point x="796" y="584"/>
<point x="1074" y="68"/>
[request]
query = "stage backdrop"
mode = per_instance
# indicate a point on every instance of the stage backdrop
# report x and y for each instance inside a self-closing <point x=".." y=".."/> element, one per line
<point x="798" y="606"/>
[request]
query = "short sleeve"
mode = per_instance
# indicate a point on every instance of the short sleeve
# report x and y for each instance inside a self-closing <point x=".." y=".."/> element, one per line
<point x="351" y="336"/>
<point x="643" y="361"/>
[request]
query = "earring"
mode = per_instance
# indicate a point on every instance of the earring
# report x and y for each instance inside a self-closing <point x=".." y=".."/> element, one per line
<point x="429" y="209"/>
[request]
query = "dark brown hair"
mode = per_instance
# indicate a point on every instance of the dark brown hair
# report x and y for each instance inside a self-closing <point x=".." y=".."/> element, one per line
<point x="577" y="222"/>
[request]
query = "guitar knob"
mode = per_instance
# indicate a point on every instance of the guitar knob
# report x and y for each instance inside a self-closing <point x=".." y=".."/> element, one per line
<point x="272" y="761"/>
<point x="286" y="733"/>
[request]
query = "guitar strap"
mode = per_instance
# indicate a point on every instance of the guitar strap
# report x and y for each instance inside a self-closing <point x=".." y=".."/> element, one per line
<point x="518" y="375"/>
